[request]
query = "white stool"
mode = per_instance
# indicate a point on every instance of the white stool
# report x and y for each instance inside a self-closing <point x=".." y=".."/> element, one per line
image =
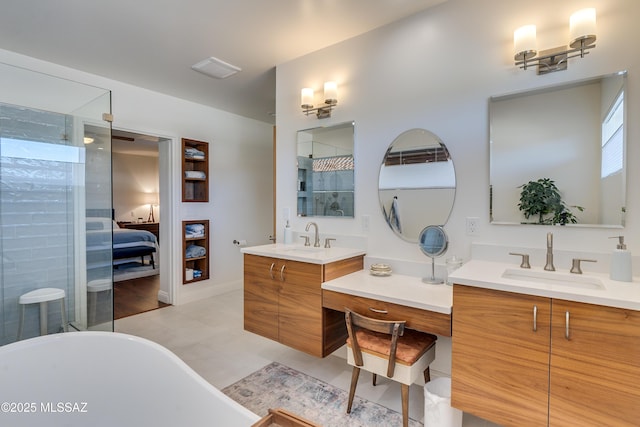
<point x="93" y="287"/>
<point x="42" y="297"/>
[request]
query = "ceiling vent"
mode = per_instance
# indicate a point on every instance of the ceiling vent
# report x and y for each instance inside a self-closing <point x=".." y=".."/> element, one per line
<point x="214" y="67"/>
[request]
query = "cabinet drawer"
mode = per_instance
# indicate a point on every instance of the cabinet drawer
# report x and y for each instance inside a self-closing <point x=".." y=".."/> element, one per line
<point x="421" y="320"/>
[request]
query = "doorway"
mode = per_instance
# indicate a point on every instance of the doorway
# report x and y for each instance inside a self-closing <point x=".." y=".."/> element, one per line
<point x="137" y="205"/>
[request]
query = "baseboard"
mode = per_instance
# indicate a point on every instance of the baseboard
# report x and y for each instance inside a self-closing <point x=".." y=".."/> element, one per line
<point x="163" y="296"/>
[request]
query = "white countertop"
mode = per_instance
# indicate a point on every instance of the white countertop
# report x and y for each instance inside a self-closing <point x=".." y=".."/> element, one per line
<point x="303" y="253"/>
<point x="398" y="289"/>
<point x="488" y="274"/>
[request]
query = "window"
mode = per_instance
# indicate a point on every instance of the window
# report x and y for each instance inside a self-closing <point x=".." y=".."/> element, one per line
<point x="613" y="139"/>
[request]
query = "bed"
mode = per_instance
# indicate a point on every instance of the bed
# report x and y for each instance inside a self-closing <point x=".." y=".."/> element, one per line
<point x="106" y="240"/>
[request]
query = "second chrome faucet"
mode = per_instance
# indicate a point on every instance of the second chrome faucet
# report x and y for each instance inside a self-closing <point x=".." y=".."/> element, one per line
<point x="316" y="242"/>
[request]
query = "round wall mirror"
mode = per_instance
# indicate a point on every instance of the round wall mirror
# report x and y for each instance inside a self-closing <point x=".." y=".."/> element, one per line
<point x="417" y="183"/>
<point x="433" y="242"/>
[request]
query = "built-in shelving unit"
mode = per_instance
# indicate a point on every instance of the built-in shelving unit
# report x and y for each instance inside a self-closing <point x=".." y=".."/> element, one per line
<point x="195" y="171"/>
<point x="195" y="251"/>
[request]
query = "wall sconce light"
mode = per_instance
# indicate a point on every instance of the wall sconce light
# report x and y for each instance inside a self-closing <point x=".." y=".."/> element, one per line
<point x="330" y="100"/>
<point x="582" y="30"/>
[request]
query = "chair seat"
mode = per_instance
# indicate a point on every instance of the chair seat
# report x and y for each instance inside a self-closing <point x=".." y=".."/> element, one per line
<point x="411" y="346"/>
<point x="41" y="295"/>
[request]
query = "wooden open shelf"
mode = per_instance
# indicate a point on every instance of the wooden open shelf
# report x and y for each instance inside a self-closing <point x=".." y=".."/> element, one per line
<point x="200" y="263"/>
<point x="195" y="189"/>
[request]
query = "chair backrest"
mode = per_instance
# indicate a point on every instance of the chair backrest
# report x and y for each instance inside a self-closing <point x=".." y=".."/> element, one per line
<point x="356" y="321"/>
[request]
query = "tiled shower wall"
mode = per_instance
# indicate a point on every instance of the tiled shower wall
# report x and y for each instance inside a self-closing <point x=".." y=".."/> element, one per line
<point x="328" y="193"/>
<point x="36" y="220"/>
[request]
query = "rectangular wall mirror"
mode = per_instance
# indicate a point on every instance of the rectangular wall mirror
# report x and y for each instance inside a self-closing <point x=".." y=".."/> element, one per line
<point x="571" y="134"/>
<point x="325" y="171"/>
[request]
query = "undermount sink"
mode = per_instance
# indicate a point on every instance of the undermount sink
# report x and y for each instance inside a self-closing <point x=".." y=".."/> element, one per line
<point x="553" y="278"/>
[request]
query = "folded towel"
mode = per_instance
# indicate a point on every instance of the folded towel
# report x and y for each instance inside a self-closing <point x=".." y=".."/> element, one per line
<point x="195" y="174"/>
<point x="193" y="230"/>
<point x="195" y="251"/>
<point x="193" y="153"/>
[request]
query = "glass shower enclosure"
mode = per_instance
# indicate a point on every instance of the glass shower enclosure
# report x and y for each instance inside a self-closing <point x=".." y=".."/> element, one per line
<point x="55" y="172"/>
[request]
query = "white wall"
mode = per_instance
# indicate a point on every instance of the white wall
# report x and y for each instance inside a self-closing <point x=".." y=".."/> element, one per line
<point x="240" y="173"/>
<point x="134" y="177"/>
<point x="436" y="70"/>
<point x="567" y="149"/>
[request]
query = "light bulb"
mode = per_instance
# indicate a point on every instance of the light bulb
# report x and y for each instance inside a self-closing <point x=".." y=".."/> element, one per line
<point x="330" y="93"/>
<point x="306" y="97"/>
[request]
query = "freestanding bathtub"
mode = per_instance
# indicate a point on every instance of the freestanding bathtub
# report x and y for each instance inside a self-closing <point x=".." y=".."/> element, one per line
<point x="107" y="379"/>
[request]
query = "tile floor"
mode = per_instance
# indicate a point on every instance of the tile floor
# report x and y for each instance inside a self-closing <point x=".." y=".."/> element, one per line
<point x="209" y="336"/>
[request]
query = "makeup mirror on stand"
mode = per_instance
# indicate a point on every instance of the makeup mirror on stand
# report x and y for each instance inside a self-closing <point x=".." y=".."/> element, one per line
<point x="433" y="242"/>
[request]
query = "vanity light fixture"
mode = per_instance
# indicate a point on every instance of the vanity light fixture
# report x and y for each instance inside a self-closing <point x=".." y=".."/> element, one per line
<point x="330" y="100"/>
<point x="582" y="30"/>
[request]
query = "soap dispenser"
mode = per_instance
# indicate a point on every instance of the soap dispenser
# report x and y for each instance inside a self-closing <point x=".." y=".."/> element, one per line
<point x="288" y="234"/>
<point x="620" y="262"/>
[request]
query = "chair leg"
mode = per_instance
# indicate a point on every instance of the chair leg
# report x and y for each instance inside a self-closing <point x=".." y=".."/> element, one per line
<point x="374" y="379"/>
<point x="405" y="405"/>
<point x="43" y="318"/>
<point x="92" y="307"/>
<point x="21" y="324"/>
<point x="63" y="309"/>
<point x="427" y="375"/>
<point x="352" y="389"/>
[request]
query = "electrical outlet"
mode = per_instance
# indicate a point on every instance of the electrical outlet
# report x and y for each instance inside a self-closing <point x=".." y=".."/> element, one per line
<point x="473" y="226"/>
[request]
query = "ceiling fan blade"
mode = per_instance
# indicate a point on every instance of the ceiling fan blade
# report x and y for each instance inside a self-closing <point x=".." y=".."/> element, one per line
<point x="123" y="138"/>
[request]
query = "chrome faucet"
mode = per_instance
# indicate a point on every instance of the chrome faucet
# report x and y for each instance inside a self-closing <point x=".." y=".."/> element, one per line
<point x="549" y="266"/>
<point x="316" y="242"/>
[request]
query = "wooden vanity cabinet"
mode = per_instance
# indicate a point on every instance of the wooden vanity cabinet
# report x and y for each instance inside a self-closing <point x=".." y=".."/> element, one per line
<point x="261" y="296"/>
<point x="283" y="302"/>
<point x="513" y="364"/>
<point x="500" y="359"/>
<point x="595" y="373"/>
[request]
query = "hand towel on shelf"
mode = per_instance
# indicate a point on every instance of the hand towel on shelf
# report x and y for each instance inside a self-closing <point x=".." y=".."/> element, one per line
<point x="195" y="174"/>
<point x="193" y="153"/>
<point x="195" y="251"/>
<point x="193" y="230"/>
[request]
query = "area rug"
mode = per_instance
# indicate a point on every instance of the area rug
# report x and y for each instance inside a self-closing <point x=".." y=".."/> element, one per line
<point x="278" y="386"/>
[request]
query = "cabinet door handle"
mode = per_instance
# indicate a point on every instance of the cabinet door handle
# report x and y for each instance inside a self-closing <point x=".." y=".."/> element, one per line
<point x="376" y="310"/>
<point x="535" y="318"/>
<point x="273" y="264"/>
<point x="566" y="325"/>
<point x="282" y="273"/>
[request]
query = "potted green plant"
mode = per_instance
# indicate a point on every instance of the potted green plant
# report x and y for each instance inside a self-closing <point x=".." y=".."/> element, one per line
<point x="542" y="198"/>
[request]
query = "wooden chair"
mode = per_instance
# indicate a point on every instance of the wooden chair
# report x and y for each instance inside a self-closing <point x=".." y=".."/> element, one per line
<point x="386" y="348"/>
